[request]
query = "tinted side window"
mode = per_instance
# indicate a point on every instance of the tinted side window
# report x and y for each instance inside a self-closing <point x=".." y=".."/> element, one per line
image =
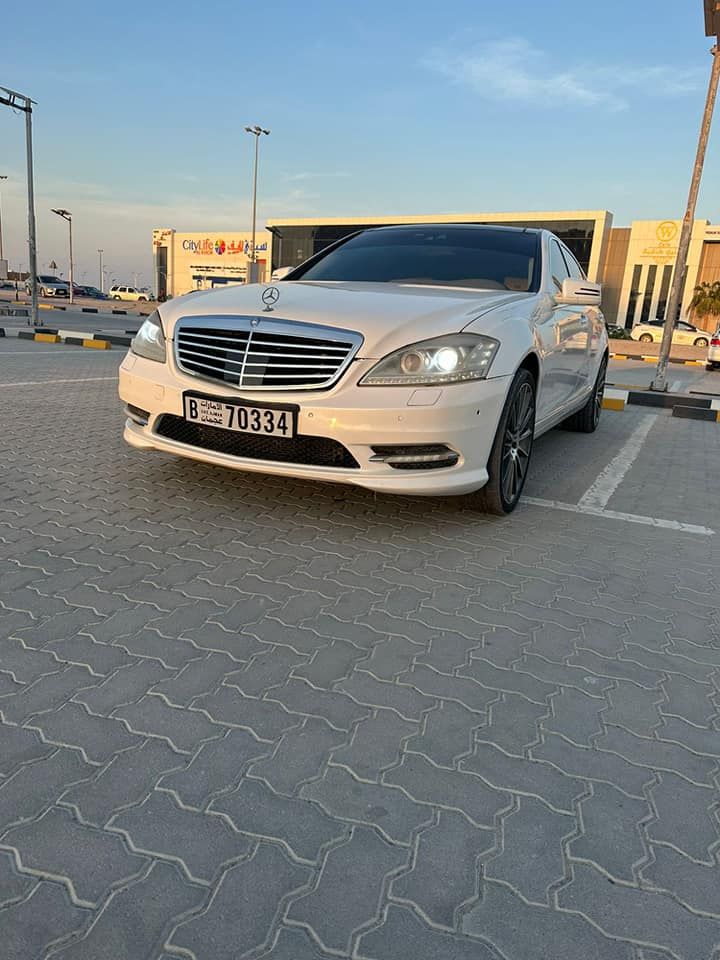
<point x="573" y="266"/>
<point x="558" y="267"/>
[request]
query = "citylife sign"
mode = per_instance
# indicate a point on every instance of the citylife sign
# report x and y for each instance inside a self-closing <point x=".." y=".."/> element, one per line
<point x="209" y="247"/>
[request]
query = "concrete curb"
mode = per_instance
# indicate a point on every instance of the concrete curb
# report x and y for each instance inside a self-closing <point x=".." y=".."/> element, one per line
<point x="75" y="338"/>
<point x="647" y="359"/>
<point x="680" y="404"/>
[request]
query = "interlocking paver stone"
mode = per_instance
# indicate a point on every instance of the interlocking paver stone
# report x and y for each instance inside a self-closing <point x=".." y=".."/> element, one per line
<point x="72" y="725"/>
<point x="347" y="894"/>
<point x="638" y="915"/>
<point x="403" y="935"/>
<point x="19" y="745"/>
<point x="454" y="789"/>
<point x="447" y="733"/>
<point x="612" y="831"/>
<point x="406" y="701"/>
<point x="125" y="686"/>
<point x="126" y="779"/>
<point x="518" y="930"/>
<point x="338" y="709"/>
<point x="300" y="756"/>
<point x="510" y="773"/>
<point x="14" y="886"/>
<point x="388" y="809"/>
<point x="686" y="816"/>
<point x="34" y="785"/>
<point x="32" y="925"/>
<point x="90" y="861"/>
<point x="444" y="872"/>
<point x="267" y="720"/>
<point x="217" y="766"/>
<point x="184" y="730"/>
<point x="376" y="744"/>
<point x="304" y="827"/>
<point x="136" y="916"/>
<point x="241" y="912"/>
<point x="202" y="843"/>
<point x="531" y="859"/>
<point x="45" y="694"/>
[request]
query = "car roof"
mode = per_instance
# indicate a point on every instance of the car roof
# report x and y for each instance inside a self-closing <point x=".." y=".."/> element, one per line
<point x="495" y="227"/>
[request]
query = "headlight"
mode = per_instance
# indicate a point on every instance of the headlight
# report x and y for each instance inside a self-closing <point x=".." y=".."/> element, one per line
<point x="149" y="341"/>
<point x="451" y="359"/>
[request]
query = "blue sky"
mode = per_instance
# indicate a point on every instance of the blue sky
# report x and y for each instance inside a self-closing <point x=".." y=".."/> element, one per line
<point x="376" y="108"/>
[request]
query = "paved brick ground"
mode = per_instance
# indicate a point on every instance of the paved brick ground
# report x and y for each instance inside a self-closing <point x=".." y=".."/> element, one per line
<point x="247" y="717"/>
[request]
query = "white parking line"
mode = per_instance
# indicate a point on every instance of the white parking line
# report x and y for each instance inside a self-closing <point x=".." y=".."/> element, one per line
<point x="615" y="515"/>
<point x="605" y="485"/>
<point x="43" y="383"/>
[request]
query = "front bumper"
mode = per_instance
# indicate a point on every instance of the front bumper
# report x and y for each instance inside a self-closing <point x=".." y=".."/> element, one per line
<point x="713" y="354"/>
<point x="462" y="416"/>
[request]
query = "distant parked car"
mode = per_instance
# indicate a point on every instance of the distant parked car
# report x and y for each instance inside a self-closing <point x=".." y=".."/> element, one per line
<point x="91" y="292"/>
<point x="684" y="333"/>
<point x="118" y="292"/>
<point x="49" y="287"/>
<point x="713" y="354"/>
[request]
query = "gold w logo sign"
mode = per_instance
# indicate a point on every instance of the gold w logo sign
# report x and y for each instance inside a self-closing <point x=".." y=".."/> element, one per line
<point x="666" y="231"/>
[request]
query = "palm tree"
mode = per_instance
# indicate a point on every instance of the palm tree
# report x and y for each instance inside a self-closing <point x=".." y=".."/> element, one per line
<point x="706" y="300"/>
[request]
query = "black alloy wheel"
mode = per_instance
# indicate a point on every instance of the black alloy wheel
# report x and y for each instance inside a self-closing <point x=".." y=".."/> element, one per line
<point x="512" y="449"/>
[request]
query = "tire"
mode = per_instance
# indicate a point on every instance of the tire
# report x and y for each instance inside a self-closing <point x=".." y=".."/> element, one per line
<point x="711" y="365"/>
<point x="646" y="338"/>
<point x="142" y="299"/>
<point x="701" y="342"/>
<point x="511" y="452"/>
<point x="586" y="420"/>
<point x="116" y="297"/>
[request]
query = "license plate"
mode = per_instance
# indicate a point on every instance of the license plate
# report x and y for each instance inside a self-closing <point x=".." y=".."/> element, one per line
<point x="241" y="417"/>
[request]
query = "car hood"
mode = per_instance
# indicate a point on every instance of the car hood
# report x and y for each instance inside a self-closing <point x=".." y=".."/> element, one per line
<point x="388" y="316"/>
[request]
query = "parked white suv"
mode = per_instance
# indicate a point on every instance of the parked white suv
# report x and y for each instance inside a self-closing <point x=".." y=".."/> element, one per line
<point x="684" y="332"/>
<point x="713" y="354"/>
<point x="118" y="292"/>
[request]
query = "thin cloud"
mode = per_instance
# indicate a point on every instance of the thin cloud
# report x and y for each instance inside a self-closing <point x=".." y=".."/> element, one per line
<point x="309" y="175"/>
<point x="515" y="70"/>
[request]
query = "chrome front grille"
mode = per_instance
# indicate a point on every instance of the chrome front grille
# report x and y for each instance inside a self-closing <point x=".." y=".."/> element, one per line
<point x="264" y="354"/>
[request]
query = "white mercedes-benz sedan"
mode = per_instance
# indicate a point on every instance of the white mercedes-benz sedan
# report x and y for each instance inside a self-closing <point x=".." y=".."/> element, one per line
<point x="419" y="360"/>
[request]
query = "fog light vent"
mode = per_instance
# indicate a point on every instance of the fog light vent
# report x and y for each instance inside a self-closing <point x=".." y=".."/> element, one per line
<point x="428" y="456"/>
<point x="137" y="414"/>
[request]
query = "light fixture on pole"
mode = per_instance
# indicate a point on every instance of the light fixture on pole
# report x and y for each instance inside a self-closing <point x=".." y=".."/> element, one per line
<point x="66" y="215"/>
<point x="712" y="29"/>
<point x="2" y="177"/>
<point x="102" y="285"/>
<point x="257" y="132"/>
<point x="18" y="101"/>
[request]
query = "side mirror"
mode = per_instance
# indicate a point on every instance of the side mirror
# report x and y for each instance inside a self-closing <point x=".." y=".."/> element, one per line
<point x="281" y="273"/>
<point x="582" y="292"/>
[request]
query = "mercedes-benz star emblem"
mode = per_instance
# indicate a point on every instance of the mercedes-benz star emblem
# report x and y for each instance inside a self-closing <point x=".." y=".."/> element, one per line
<point x="270" y="296"/>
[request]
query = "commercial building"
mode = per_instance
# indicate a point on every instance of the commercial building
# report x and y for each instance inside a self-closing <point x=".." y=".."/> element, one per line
<point x="635" y="264"/>
<point x="200" y="261"/>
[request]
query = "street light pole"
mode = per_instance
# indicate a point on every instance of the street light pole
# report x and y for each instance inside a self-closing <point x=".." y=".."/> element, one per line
<point x="257" y="132"/>
<point x="1" y="236"/>
<point x="102" y="285"/>
<point x="712" y="21"/>
<point x="66" y="215"/>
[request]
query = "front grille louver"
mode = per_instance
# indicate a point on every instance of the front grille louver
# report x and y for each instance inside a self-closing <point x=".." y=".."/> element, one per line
<point x="264" y="354"/>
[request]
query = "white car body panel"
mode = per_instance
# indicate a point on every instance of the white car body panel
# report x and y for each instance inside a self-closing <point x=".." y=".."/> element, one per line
<point x="568" y="343"/>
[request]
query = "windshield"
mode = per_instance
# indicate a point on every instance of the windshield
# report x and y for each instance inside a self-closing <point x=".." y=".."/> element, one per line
<point x="484" y="258"/>
<point x="49" y="280"/>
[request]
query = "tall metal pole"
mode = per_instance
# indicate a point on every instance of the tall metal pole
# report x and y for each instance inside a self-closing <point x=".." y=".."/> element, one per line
<point x="32" y="242"/>
<point x="254" y="206"/>
<point x="678" y="284"/>
<point x="1" y="236"/>
<point x="102" y="285"/>
<point x="257" y="131"/>
<point x="71" y="262"/>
